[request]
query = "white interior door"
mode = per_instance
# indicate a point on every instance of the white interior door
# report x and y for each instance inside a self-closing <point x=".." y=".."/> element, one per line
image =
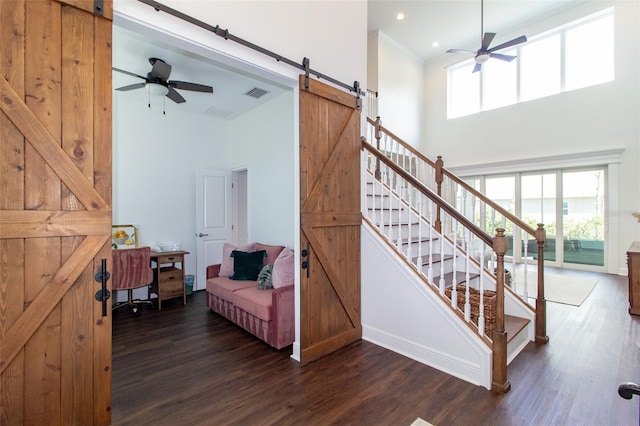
<point x="213" y="219"/>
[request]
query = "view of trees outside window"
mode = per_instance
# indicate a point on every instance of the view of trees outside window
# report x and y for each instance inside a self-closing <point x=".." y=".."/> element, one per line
<point x="570" y="204"/>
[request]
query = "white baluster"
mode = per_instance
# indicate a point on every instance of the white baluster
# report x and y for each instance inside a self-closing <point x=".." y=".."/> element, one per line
<point x="454" y="279"/>
<point x="469" y="247"/>
<point x="525" y="292"/>
<point x="384" y="228"/>
<point x="399" y="222"/>
<point x="513" y="257"/>
<point x="441" y="282"/>
<point x="409" y="190"/>
<point x="430" y="270"/>
<point x="419" y="239"/>
<point x="481" y="307"/>
<point x="473" y="209"/>
<point x="374" y="212"/>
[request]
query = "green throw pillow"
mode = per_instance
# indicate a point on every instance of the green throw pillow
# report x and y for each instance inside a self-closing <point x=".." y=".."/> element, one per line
<point x="247" y="266"/>
<point x="264" y="277"/>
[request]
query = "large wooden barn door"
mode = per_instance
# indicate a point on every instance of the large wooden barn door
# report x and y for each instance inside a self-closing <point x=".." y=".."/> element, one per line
<point x="330" y="220"/>
<point x="55" y="211"/>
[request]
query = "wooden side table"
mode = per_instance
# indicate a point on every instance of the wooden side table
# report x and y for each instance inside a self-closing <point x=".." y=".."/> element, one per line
<point x="168" y="275"/>
<point x="633" y="263"/>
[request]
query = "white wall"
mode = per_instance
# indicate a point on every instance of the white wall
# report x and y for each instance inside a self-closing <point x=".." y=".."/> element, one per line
<point x="398" y="76"/>
<point x="585" y="120"/>
<point x="332" y="34"/>
<point x="262" y="141"/>
<point x="154" y="161"/>
<point x="401" y="314"/>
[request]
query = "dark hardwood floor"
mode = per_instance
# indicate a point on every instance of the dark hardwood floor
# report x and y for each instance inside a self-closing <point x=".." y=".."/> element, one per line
<point x="186" y="365"/>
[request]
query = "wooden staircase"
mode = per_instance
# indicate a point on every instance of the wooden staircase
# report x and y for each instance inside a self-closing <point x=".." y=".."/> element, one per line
<point x="445" y="250"/>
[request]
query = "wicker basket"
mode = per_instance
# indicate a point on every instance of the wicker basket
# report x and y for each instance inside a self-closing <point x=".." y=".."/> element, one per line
<point x="489" y="301"/>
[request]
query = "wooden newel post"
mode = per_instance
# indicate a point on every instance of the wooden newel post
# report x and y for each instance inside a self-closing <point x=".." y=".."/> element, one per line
<point x="500" y="382"/>
<point x="541" y="302"/>
<point x="439" y="180"/>
<point x="378" y="136"/>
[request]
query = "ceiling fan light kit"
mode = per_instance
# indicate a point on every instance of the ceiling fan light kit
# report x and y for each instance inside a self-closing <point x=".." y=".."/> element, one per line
<point x="483" y="54"/>
<point x="156" y="89"/>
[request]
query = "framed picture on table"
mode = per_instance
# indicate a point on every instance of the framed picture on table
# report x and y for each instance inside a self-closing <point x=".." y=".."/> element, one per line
<point x="124" y="236"/>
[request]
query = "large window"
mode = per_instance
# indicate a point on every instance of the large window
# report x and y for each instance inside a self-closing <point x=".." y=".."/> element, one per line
<point x="573" y="56"/>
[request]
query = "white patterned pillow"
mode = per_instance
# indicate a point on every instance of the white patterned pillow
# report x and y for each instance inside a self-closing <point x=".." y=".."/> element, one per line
<point x="264" y="277"/>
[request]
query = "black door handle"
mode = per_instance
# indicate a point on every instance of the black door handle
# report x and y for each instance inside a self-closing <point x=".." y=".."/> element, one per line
<point x="305" y="263"/>
<point x="103" y="294"/>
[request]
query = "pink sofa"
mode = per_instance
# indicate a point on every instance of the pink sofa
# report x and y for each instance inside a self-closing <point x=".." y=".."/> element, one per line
<point x="269" y="314"/>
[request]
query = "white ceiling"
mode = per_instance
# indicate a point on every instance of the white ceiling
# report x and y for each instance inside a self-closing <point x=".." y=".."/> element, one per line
<point x="131" y="52"/>
<point x="453" y="23"/>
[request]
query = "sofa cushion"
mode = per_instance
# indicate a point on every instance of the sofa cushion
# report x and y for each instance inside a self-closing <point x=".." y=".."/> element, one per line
<point x="226" y="267"/>
<point x="247" y="266"/>
<point x="224" y="287"/>
<point x="254" y="301"/>
<point x="283" y="272"/>
<point x="272" y="252"/>
<point x="264" y="277"/>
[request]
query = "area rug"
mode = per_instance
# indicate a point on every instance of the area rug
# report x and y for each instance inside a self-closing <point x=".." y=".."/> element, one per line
<point x="566" y="289"/>
<point x="420" y="422"/>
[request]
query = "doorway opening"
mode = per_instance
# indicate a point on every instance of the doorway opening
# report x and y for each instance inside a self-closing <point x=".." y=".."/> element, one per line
<point x="239" y="222"/>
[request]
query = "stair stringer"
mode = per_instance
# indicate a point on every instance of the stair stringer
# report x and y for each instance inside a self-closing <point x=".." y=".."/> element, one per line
<point x="401" y="314"/>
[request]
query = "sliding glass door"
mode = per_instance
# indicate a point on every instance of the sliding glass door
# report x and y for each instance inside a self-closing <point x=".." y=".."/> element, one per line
<point x="570" y="204"/>
<point x="538" y="205"/>
<point x="583" y="217"/>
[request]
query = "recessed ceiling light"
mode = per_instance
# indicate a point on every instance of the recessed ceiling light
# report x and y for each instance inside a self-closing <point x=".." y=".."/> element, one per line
<point x="435" y="44"/>
<point x="400" y="16"/>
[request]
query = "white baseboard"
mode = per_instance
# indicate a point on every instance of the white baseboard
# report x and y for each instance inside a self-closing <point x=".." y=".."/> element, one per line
<point x="429" y="356"/>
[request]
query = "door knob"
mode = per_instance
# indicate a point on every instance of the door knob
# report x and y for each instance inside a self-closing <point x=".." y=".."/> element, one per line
<point x="200" y="234"/>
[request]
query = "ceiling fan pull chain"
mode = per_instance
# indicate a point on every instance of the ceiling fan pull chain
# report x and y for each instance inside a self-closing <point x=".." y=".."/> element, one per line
<point x="149" y="95"/>
<point x="164" y="103"/>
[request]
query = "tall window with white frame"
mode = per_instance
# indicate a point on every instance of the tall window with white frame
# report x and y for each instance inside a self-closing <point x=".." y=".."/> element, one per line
<point x="550" y="63"/>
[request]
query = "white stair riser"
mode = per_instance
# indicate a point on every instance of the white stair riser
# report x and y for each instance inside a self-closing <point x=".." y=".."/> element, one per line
<point x="448" y="267"/>
<point x="425" y="246"/>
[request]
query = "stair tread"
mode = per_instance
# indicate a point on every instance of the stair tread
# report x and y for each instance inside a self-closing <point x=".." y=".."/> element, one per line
<point x="461" y="278"/>
<point x="406" y="241"/>
<point x="436" y="257"/>
<point x="400" y="223"/>
<point x="395" y="209"/>
<point x="513" y="326"/>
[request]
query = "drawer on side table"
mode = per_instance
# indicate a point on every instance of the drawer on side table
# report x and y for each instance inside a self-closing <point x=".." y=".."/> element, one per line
<point x="168" y="275"/>
<point x="171" y="282"/>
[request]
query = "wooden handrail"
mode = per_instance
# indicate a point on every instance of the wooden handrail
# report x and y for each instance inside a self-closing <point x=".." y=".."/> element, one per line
<point x="452" y="211"/>
<point x="401" y="142"/>
<point x="441" y="169"/>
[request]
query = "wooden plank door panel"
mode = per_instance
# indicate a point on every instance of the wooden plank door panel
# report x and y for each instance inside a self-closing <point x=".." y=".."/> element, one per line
<point x="55" y="211"/>
<point x="330" y="219"/>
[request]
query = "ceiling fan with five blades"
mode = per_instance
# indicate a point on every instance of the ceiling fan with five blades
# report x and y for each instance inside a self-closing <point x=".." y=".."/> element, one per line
<point x="484" y="53"/>
<point x="158" y="77"/>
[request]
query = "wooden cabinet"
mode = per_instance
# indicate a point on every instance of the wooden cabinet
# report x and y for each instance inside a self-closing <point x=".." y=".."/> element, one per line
<point x="633" y="263"/>
<point x="168" y="275"/>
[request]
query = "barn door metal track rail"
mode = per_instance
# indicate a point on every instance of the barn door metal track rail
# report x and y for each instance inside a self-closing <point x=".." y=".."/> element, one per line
<point x="304" y="66"/>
